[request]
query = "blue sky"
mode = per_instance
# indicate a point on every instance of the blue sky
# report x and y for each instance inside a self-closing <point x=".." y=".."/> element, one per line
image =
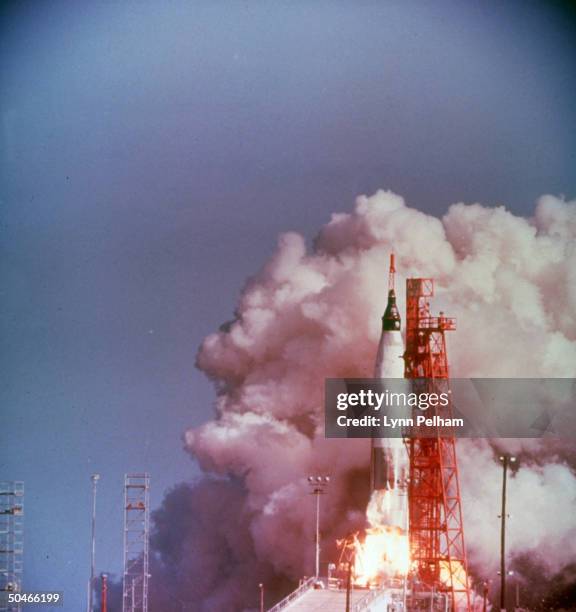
<point x="151" y="152"/>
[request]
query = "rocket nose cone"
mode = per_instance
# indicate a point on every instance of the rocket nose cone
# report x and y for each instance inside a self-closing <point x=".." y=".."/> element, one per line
<point x="391" y="320"/>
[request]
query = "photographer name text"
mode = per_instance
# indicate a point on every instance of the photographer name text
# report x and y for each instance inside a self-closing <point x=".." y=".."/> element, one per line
<point x="396" y="423"/>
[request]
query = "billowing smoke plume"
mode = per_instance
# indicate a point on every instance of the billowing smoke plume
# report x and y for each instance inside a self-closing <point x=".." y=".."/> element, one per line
<point x="511" y="283"/>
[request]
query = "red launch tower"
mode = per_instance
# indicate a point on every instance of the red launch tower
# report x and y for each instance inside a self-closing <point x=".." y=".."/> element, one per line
<point x="435" y="514"/>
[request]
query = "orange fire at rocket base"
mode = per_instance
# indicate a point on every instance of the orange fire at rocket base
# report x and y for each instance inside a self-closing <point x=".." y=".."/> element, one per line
<point x="383" y="551"/>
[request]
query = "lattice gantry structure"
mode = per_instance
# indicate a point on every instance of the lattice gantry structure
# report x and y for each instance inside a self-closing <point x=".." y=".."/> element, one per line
<point x="11" y="541"/>
<point x="435" y="514"/>
<point x="136" y="536"/>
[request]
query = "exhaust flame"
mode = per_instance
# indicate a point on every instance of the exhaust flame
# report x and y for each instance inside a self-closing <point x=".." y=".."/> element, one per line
<point x="384" y="552"/>
<point x="458" y="574"/>
<point x="384" y="549"/>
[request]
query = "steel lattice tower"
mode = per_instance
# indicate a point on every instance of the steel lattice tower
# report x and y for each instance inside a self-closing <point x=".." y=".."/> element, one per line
<point x="11" y="541"/>
<point x="435" y="513"/>
<point x="136" y="528"/>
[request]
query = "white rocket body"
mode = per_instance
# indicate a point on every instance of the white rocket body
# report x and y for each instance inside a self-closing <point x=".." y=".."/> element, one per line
<point x="389" y="464"/>
<point x="389" y="361"/>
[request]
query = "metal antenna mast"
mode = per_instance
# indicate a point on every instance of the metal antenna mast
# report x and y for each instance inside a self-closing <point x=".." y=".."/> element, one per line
<point x="94" y="478"/>
<point x="136" y="535"/>
<point x="11" y="541"/>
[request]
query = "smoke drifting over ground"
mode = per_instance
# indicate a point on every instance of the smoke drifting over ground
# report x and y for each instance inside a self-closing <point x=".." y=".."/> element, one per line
<point x="511" y="283"/>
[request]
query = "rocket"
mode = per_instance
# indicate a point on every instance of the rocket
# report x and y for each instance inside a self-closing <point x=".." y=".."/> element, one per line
<point x="391" y="321"/>
<point x="389" y="459"/>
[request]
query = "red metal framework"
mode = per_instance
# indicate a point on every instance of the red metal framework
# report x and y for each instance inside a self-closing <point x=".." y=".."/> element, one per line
<point x="436" y="529"/>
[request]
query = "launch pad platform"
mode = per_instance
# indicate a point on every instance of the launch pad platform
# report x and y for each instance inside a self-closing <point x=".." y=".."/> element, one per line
<point x="322" y="596"/>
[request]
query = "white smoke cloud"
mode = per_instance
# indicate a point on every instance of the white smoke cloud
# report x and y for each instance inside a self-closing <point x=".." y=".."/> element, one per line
<point x="511" y="283"/>
<point x="540" y="506"/>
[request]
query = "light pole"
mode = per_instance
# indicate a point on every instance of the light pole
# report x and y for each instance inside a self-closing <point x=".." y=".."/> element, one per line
<point x="318" y="485"/>
<point x="506" y="460"/>
<point x="95" y="478"/>
<point x="261" y="587"/>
